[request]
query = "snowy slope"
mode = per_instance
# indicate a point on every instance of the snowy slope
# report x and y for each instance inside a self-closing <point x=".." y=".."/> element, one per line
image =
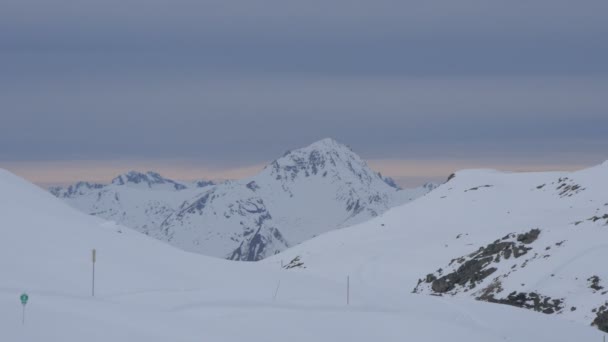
<point x="149" y="291"/>
<point x="532" y="240"/>
<point x="305" y="193"/>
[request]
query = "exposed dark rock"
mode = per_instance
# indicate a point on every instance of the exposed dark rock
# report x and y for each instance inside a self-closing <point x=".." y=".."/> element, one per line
<point x="203" y="183"/>
<point x="471" y="273"/>
<point x="254" y="248"/>
<point x="354" y="206"/>
<point x="597" y="218"/>
<point x="149" y="178"/>
<point x="567" y="187"/>
<point x="478" y="187"/>
<point x="294" y="263"/>
<point x="253" y="186"/>
<point x="75" y="189"/>
<point x="476" y="267"/>
<point x="529" y="237"/>
<point x="595" y="283"/>
<point x="531" y="300"/>
<point x="601" y="318"/>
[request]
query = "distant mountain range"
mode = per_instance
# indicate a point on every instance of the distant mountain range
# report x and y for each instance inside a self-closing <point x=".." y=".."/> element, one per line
<point x="306" y="192"/>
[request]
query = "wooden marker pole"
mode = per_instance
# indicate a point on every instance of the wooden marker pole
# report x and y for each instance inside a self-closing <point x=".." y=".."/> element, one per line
<point x="93" y="259"/>
<point x="276" y="292"/>
<point x="347" y="290"/>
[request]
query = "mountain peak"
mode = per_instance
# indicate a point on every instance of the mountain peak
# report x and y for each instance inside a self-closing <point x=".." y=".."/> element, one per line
<point x="149" y="178"/>
<point x="307" y="192"/>
<point x="327" y="142"/>
<point x="325" y="158"/>
<point x="327" y="146"/>
<point x="323" y="145"/>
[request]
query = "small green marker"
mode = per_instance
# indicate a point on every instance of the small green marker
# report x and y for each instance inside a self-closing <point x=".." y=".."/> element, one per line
<point x="24" y="298"/>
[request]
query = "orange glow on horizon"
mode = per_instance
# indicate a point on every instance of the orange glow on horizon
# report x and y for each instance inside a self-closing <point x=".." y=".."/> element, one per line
<point x="406" y="172"/>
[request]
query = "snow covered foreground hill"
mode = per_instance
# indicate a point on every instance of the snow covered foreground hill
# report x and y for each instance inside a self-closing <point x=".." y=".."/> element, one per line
<point x="148" y="291"/>
<point x="532" y="240"/>
<point x="305" y="193"/>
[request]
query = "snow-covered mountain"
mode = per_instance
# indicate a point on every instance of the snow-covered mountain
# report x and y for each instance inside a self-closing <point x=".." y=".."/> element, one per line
<point x="537" y="241"/>
<point x="304" y="193"/>
<point x="148" y="291"/>
<point x="139" y="200"/>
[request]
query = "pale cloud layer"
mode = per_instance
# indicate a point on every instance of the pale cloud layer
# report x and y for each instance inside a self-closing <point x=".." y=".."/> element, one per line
<point x="408" y="173"/>
<point x="223" y="85"/>
<point x="46" y="173"/>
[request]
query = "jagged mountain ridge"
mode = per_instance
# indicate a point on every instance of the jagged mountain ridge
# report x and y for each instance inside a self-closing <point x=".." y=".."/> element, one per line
<point x="135" y="199"/>
<point x="536" y="241"/>
<point x="305" y="193"/>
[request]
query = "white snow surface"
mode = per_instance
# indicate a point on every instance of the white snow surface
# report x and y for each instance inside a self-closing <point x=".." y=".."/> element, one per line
<point x="475" y="209"/>
<point x="307" y="192"/>
<point x="149" y="291"/>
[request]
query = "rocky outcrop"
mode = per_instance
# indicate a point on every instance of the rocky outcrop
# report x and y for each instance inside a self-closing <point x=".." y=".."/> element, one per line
<point x="529" y="237"/>
<point x="294" y="263"/>
<point x="594" y="283"/>
<point x="260" y="245"/>
<point x="567" y="187"/>
<point x="531" y="301"/>
<point x="601" y="318"/>
<point x="474" y="268"/>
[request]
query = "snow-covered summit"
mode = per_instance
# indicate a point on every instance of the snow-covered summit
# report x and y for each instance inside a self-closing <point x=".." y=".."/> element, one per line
<point x="306" y="192"/>
<point x="149" y="179"/>
<point x="323" y="158"/>
<point x="302" y="194"/>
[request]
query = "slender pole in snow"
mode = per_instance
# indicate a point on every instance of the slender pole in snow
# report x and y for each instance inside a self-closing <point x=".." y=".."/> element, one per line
<point x="24" y="297"/>
<point x="347" y="290"/>
<point x="276" y="291"/>
<point x="93" y="257"/>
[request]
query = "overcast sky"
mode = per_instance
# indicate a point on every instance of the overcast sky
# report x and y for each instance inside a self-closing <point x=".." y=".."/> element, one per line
<point x="218" y="88"/>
